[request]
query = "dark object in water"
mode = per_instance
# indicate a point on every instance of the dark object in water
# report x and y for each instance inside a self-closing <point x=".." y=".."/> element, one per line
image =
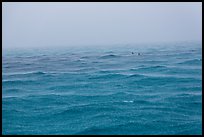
<point x="137" y="53"/>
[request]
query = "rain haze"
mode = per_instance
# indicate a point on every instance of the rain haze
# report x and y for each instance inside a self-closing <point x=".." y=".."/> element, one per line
<point x="102" y="69"/>
<point x="80" y="24"/>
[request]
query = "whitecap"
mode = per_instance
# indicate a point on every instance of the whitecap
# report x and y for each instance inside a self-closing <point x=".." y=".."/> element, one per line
<point x="130" y="101"/>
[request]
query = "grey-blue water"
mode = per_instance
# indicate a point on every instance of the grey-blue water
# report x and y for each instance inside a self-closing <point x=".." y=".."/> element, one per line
<point x="106" y="90"/>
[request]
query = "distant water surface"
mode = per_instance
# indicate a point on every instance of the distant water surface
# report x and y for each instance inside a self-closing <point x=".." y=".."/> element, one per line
<point x="103" y="90"/>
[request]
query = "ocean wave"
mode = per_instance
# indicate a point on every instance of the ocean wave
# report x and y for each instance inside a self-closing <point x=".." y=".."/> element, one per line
<point x="14" y="90"/>
<point x="85" y="57"/>
<point x="107" y="76"/>
<point x="191" y="62"/>
<point x="63" y="87"/>
<point x="110" y="56"/>
<point x="132" y="128"/>
<point x="17" y="82"/>
<point x="86" y="108"/>
<point x="111" y="75"/>
<point x="66" y="95"/>
<point x="136" y="76"/>
<point x="172" y="79"/>
<point x="151" y="68"/>
<point x="25" y="73"/>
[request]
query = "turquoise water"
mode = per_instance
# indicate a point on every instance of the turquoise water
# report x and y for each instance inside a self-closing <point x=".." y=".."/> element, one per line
<point x="103" y="90"/>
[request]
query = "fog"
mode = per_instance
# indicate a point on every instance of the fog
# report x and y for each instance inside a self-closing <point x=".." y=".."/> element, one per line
<point x="80" y="24"/>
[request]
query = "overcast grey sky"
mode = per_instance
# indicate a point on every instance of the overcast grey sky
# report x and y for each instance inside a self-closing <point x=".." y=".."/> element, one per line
<point x="67" y="24"/>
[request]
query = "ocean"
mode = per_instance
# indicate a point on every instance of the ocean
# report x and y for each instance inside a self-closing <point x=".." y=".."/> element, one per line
<point x="108" y="90"/>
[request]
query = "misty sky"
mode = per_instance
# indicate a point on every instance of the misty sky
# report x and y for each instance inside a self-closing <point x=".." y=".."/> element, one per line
<point x="67" y="24"/>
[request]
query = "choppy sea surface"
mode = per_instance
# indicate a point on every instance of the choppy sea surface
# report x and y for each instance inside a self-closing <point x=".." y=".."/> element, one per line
<point x="103" y="90"/>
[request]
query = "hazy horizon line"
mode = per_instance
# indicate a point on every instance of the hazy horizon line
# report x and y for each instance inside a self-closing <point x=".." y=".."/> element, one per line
<point x="116" y="45"/>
